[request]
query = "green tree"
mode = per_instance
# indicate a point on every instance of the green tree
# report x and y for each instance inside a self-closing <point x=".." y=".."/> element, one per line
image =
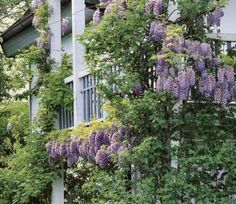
<point x="137" y="49"/>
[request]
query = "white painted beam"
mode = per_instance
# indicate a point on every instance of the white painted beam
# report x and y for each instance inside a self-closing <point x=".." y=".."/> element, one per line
<point x="78" y="25"/>
<point x="55" y="29"/>
<point x="55" y="54"/>
<point x="227" y="37"/>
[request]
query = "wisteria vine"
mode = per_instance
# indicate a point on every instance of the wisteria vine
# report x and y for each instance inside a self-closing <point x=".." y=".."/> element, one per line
<point x="109" y="6"/>
<point x="99" y="147"/>
<point x="41" y="20"/>
<point x="200" y="68"/>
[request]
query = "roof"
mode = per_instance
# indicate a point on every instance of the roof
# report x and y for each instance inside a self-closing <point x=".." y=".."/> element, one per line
<point x="23" y="26"/>
<point x="26" y="21"/>
<point x="227" y="37"/>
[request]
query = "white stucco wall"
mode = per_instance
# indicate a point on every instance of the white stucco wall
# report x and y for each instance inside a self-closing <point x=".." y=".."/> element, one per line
<point x="228" y="23"/>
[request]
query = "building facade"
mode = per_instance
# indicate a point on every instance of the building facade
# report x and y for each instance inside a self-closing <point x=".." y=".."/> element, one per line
<point x="87" y="103"/>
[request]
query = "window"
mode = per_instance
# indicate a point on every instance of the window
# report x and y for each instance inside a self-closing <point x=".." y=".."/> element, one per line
<point x="66" y="115"/>
<point x="92" y="100"/>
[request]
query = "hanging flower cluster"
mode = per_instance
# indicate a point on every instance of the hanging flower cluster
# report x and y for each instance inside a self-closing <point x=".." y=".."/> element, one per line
<point x="154" y="7"/>
<point x="109" y="5"/>
<point x="97" y="148"/>
<point x="198" y="74"/>
<point x="137" y="89"/>
<point x="96" y="17"/>
<point x="36" y="21"/>
<point x="37" y="3"/>
<point x="64" y="25"/>
<point x="157" y="31"/>
<point x="194" y="67"/>
<point x="214" y="17"/>
<point x="44" y="39"/>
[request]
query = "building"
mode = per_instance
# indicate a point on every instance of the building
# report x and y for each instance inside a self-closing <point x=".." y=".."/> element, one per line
<point x="23" y="34"/>
<point x="86" y="102"/>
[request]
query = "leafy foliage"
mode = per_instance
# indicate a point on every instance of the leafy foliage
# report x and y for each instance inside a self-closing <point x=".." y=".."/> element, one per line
<point x="54" y="94"/>
<point x="28" y="177"/>
<point x="178" y="147"/>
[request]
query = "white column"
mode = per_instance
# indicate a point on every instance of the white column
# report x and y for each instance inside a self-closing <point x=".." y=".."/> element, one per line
<point x="55" y="29"/>
<point x="55" y="54"/>
<point x="58" y="190"/>
<point x="78" y="25"/>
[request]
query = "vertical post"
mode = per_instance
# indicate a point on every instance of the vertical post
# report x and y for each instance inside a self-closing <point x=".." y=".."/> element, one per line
<point x="34" y="100"/>
<point x="78" y="25"/>
<point x="55" y="29"/>
<point x="55" y="54"/>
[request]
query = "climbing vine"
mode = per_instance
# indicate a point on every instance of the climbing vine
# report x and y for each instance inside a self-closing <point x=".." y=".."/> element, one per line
<point x="170" y="132"/>
<point x="26" y="175"/>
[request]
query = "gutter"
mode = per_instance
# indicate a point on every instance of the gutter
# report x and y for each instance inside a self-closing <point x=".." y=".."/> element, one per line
<point x="18" y="26"/>
<point x="27" y="19"/>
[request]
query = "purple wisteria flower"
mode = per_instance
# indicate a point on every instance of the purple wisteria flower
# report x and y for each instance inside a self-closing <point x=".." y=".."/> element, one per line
<point x="36" y="4"/>
<point x="191" y="76"/>
<point x="178" y="45"/>
<point x="44" y="40"/>
<point x="99" y="140"/>
<point x="157" y="31"/>
<point x="160" y="84"/>
<point x="49" y="147"/>
<point x="222" y="94"/>
<point x="206" y="49"/>
<point x="96" y="17"/>
<point x="216" y="61"/>
<point x="92" y="151"/>
<point x="214" y="18"/>
<point x="158" y="8"/>
<point x="178" y="82"/>
<point x="63" y="149"/>
<point x="207" y="85"/>
<point x="73" y="149"/>
<point x="137" y="89"/>
<point x="108" y="9"/>
<point x="114" y="148"/>
<point x="168" y="83"/>
<point x="84" y="148"/>
<point x="102" y="158"/>
<point x="121" y="133"/>
<point x="200" y="65"/>
<point x="121" y="13"/>
<point x="150" y="6"/>
<point x="55" y="150"/>
<point x="226" y="75"/>
<point x="155" y="7"/>
<point x="72" y="152"/>
<point x="182" y="80"/>
<point x="64" y="25"/>
<point x="161" y="66"/>
<point x="36" y="21"/>
<point x="175" y="90"/>
<point x="99" y="147"/>
<point x="105" y="1"/>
